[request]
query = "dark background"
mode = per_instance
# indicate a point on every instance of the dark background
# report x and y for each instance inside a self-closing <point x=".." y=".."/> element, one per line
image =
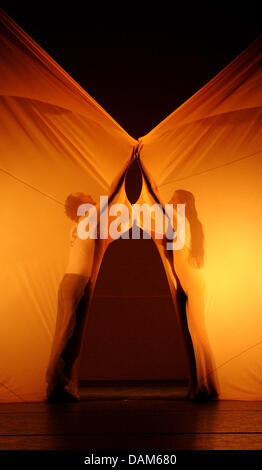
<point x="140" y="66"/>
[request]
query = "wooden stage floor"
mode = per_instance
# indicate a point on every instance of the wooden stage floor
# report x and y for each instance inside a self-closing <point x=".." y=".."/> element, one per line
<point x="143" y="415"/>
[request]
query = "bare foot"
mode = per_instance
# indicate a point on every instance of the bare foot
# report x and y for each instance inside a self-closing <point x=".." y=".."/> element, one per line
<point x="202" y="394"/>
<point x="61" y="395"/>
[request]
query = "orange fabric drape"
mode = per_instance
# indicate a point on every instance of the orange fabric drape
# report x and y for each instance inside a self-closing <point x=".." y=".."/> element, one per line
<point x="56" y="140"/>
